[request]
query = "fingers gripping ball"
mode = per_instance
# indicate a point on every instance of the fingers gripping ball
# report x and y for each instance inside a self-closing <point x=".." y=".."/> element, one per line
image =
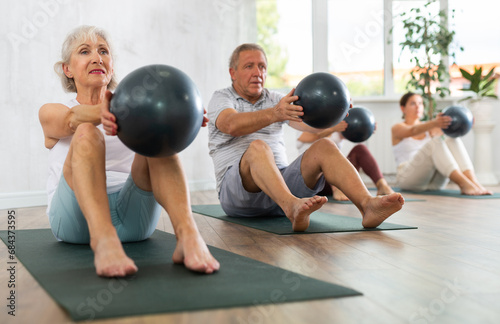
<point x="360" y="125"/>
<point x="325" y="99"/>
<point x="158" y="110"/>
<point x="461" y="121"/>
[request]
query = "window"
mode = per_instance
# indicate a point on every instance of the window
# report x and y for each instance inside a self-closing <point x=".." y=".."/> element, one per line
<point x="356" y="45"/>
<point x="285" y="33"/>
<point x="402" y="64"/>
<point x="478" y="32"/>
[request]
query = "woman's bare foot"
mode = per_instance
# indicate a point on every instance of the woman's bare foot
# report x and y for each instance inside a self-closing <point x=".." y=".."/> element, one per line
<point x="339" y="195"/>
<point x="383" y="188"/>
<point x="378" y="209"/>
<point x="469" y="174"/>
<point x="110" y="259"/>
<point x="469" y="188"/>
<point x="193" y="252"/>
<point x="302" y="208"/>
<point x="483" y="190"/>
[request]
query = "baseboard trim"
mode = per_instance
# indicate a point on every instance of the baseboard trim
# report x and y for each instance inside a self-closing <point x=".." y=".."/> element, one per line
<point x="23" y="199"/>
<point x="26" y="199"/>
<point x="202" y="185"/>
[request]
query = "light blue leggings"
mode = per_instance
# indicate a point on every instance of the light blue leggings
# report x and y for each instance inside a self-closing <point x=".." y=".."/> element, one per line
<point x="134" y="213"/>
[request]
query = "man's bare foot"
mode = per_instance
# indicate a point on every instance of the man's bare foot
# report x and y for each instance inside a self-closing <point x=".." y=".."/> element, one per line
<point x="383" y="188"/>
<point x="110" y="259"/>
<point x="302" y="208"/>
<point x="378" y="209"/>
<point x="193" y="252"/>
<point x="339" y="195"/>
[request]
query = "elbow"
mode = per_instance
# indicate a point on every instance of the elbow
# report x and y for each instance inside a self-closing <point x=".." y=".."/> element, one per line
<point x="234" y="132"/>
<point x="70" y="123"/>
<point x="231" y="129"/>
<point x="71" y="127"/>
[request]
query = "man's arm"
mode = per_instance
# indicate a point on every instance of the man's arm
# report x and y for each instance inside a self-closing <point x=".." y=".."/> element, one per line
<point x="236" y="123"/>
<point x="300" y="126"/>
<point x="308" y="137"/>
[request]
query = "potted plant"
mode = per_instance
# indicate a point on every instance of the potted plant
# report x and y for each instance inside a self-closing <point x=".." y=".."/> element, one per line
<point x="481" y="88"/>
<point x="481" y="102"/>
<point x="429" y="41"/>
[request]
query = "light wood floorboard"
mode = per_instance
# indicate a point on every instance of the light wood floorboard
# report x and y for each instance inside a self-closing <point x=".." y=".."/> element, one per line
<point x="446" y="271"/>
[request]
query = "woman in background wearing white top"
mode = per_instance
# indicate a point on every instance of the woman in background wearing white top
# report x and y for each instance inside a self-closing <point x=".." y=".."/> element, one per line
<point x="100" y="192"/>
<point x="359" y="156"/>
<point x="426" y="159"/>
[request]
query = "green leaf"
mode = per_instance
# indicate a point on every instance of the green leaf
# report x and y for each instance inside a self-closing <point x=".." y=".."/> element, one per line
<point x="490" y="74"/>
<point x="488" y="85"/>
<point x="464" y="99"/>
<point x="466" y="74"/>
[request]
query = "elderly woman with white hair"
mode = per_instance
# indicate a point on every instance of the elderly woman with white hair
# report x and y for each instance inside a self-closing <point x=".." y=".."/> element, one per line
<point x="101" y="193"/>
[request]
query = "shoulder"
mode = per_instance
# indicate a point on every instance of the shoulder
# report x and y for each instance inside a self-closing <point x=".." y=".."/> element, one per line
<point x="221" y="100"/>
<point x="51" y="108"/>
<point x="222" y="97"/>
<point x="49" y="111"/>
<point x="399" y="126"/>
<point x="59" y="106"/>
<point x="224" y="93"/>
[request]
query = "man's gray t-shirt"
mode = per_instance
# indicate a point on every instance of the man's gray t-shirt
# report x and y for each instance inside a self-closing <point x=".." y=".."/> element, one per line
<point x="227" y="150"/>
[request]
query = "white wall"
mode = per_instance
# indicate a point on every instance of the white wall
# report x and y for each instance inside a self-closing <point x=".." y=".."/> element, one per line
<point x="196" y="36"/>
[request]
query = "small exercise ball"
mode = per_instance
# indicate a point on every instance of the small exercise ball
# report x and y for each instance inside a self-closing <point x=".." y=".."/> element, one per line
<point x="360" y="124"/>
<point x="158" y="110"/>
<point x="461" y="121"/>
<point x="325" y="99"/>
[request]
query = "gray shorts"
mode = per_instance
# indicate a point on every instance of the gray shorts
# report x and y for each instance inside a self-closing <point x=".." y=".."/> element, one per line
<point x="236" y="201"/>
<point x="134" y="214"/>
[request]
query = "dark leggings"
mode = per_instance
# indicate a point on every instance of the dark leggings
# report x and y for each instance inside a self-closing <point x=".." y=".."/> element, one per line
<point x="361" y="158"/>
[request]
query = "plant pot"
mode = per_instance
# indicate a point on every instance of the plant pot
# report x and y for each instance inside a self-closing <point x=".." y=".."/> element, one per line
<point x="482" y="110"/>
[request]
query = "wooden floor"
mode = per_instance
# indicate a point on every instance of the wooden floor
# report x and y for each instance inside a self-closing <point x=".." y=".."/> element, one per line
<point x="446" y="271"/>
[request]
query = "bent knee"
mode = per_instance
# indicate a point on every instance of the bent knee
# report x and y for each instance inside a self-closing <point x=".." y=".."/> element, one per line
<point x="324" y="144"/>
<point x="360" y="148"/>
<point x="258" y="146"/>
<point x="257" y="151"/>
<point x="87" y="128"/>
<point x="88" y="135"/>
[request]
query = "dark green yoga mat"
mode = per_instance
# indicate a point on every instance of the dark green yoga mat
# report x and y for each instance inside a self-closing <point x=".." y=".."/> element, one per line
<point x="319" y="222"/>
<point x="449" y="193"/>
<point x="67" y="273"/>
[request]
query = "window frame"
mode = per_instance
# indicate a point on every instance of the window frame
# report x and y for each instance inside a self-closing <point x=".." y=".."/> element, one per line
<point x="320" y="42"/>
